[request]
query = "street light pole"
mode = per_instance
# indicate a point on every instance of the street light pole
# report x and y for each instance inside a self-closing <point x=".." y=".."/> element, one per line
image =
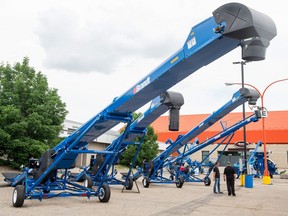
<point x="266" y="176"/>
<point x="244" y="127"/>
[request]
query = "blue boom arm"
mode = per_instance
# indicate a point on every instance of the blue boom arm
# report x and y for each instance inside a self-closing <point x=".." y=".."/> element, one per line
<point x="232" y="25"/>
<point x="253" y="118"/>
<point x="238" y="98"/>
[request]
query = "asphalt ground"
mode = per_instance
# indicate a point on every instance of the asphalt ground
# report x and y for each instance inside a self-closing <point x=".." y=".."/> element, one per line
<point x="161" y="199"/>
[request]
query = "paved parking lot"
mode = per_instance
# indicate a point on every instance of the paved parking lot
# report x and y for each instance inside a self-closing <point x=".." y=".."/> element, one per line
<point x="191" y="199"/>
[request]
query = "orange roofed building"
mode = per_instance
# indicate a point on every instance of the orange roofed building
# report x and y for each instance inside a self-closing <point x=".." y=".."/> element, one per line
<point x="276" y="127"/>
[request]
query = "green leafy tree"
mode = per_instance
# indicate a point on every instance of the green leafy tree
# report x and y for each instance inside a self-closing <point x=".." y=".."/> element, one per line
<point x="148" y="150"/>
<point x="31" y="113"/>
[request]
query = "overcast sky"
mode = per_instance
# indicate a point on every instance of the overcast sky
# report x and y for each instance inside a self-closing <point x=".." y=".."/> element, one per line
<point x="93" y="51"/>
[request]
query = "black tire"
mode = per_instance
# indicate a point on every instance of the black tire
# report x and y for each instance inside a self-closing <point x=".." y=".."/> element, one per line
<point x="104" y="195"/>
<point x="130" y="183"/>
<point x="146" y="182"/>
<point x="180" y="182"/>
<point x="207" y="181"/>
<point x="271" y="175"/>
<point x="88" y="183"/>
<point x="18" y="196"/>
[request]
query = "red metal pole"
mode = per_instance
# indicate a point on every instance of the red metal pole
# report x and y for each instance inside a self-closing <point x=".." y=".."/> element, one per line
<point x="266" y="177"/>
<point x="266" y="172"/>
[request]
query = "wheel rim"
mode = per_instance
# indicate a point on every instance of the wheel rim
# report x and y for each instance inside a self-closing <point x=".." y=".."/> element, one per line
<point x="86" y="183"/>
<point x="101" y="193"/>
<point x="15" y="196"/>
<point x="207" y="181"/>
<point x="144" y="182"/>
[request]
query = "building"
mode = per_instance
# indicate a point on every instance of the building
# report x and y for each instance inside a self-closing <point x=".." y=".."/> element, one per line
<point x="276" y="127"/>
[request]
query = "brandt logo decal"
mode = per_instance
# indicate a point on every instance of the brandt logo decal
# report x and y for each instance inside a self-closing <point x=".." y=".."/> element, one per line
<point x="141" y="85"/>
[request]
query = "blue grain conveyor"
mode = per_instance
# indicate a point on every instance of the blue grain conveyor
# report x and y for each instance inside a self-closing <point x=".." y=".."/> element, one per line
<point x="99" y="166"/>
<point x="188" y="173"/>
<point x="222" y="135"/>
<point x="251" y="160"/>
<point x="231" y="25"/>
<point x="256" y="164"/>
<point x="156" y="167"/>
<point x="192" y="170"/>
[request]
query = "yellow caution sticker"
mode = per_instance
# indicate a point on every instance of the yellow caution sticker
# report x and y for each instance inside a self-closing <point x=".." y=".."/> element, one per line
<point x="173" y="60"/>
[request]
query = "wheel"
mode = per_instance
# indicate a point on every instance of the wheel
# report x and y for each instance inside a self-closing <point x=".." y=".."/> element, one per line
<point x="207" y="181"/>
<point x="88" y="183"/>
<point x="179" y="182"/>
<point x="271" y="175"/>
<point x="105" y="193"/>
<point x="18" y="196"/>
<point x="130" y="183"/>
<point x="145" y="182"/>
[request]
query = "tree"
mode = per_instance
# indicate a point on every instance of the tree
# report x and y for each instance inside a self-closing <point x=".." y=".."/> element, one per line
<point x="148" y="150"/>
<point x="31" y="113"/>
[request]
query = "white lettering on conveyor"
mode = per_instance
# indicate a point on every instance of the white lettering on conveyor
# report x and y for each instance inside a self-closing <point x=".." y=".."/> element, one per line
<point x="142" y="85"/>
<point x="191" y="43"/>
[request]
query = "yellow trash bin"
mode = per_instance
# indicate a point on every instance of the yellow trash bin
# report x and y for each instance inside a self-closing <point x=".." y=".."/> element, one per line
<point x="242" y="179"/>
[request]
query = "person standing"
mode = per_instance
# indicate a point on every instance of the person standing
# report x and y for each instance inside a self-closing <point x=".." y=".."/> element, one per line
<point x="216" y="177"/>
<point x="229" y="176"/>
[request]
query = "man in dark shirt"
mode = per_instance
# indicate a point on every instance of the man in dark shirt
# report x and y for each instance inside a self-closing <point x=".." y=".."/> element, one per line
<point x="230" y="175"/>
<point x="216" y="177"/>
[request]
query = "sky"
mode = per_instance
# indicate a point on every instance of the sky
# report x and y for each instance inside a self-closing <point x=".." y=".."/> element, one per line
<point x="93" y="51"/>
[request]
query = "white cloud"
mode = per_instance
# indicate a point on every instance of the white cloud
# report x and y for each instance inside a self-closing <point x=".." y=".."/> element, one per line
<point x="98" y="43"/>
